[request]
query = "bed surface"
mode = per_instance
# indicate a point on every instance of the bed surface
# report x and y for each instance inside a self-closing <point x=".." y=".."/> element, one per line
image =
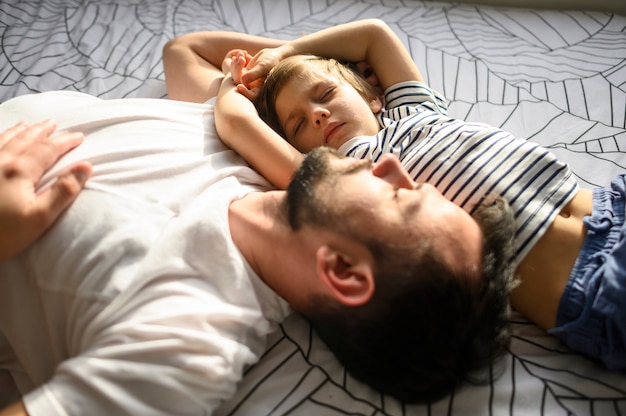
<point x="554" y="77"/>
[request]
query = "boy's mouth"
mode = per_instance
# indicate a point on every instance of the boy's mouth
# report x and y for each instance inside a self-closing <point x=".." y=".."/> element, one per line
<point x="331" y="131"/>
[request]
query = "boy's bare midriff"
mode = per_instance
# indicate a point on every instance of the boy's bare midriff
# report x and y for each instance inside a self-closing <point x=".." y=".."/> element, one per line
<point x="544" y="272"/>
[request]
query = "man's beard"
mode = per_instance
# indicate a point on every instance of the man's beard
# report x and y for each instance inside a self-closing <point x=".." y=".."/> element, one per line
<point x="303" y="207"/>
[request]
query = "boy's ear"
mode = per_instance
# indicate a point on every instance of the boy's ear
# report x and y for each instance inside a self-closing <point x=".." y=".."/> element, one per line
<point x="376" y="105"/>
<point x="351" y="282"/>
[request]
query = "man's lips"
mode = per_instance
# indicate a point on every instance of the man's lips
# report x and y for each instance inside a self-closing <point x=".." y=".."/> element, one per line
<point x="331" y="130"/>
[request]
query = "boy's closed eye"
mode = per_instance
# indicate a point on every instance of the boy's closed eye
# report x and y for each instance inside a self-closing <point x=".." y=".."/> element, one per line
<point x="297" y="125"/>
<point x="327" y="94"/>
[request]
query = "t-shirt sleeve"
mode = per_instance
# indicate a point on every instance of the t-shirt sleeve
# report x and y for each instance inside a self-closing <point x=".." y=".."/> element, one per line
<point x="414" y="93"/>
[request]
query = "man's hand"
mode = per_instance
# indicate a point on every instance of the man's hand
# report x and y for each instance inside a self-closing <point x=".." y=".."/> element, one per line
<point x="26" y="152"/>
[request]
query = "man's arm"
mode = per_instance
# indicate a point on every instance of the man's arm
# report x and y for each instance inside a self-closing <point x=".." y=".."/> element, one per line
<point x="192" y="62"/>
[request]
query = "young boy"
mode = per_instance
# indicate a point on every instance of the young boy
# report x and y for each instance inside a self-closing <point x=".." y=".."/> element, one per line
<point x="561" y="246"/>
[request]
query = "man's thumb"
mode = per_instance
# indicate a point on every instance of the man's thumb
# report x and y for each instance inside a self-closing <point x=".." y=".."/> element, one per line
<point x="65" y="189"/>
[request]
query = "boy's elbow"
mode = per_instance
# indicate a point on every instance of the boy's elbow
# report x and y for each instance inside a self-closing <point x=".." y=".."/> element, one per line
<point x="375" y="23"/>
<point x="374" y="28"/>
<point x="183" y="43"/>
<point x="169" y="49"/>
<point x="174" y="45"/>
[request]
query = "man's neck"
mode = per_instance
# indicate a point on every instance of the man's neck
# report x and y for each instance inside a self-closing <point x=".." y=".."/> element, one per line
<point x="281" y="257"/>
<point x="259" y="228"/>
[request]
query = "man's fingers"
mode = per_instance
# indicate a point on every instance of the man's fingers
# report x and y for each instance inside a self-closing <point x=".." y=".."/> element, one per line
<point x="22" y="136"/>
<point x="35" y="145"/>
<point x="51" y="202"/>
<point x="64" y="142"/>
<point x="40" y="155"/>
<point x="11" y="132"/>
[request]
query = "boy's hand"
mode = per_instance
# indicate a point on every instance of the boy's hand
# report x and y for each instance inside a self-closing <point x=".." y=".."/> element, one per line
<point x="235" y="55"/>
<point x="238" y="61"/>
<point x="261" y="64"/>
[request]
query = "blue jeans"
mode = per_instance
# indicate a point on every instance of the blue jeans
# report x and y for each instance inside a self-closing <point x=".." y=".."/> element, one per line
<point x="591" y="317"/>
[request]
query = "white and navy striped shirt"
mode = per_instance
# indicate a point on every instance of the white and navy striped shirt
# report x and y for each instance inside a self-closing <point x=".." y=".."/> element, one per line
<point x="466" y="160"/>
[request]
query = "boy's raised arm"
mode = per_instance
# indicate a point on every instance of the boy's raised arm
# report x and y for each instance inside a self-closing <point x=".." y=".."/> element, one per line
<point x="240" y="127"/>
<point x="370" y="40"/>
<point x="193" y="72"/>
<point x="192" y="62"/>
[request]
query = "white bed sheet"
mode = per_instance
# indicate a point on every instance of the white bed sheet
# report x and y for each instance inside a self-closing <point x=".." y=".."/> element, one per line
<point x="554" y="77"/>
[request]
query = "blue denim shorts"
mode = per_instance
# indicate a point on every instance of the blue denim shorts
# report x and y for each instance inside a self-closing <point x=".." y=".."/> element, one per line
<point x="591" y="317"/>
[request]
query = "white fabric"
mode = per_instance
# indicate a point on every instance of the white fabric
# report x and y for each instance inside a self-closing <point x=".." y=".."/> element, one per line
<point x="137" y="301"/>
<point x="466" y="161"/>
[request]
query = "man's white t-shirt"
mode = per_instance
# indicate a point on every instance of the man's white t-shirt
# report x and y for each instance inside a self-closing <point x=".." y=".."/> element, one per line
<point x="137" y="301"/>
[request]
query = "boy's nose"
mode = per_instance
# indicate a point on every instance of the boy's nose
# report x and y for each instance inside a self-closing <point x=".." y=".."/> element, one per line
<point x="319" y="114"/>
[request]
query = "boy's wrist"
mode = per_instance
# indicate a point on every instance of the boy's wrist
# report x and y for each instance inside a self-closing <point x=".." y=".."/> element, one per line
<point x="228" y="81"/>
<point x="286" y="50"/>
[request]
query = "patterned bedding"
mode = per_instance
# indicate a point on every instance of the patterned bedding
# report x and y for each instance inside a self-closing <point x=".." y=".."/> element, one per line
<point x="554" y="77"/>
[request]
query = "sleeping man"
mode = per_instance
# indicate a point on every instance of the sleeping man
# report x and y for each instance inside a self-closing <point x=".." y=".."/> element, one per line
<point x="154" y="291"/>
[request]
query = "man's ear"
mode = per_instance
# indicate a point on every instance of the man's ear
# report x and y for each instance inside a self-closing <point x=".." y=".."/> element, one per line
<point x="350" y="281"/>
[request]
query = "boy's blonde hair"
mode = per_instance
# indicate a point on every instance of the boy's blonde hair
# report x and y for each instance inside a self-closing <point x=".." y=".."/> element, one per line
<point x="300" y="66"/>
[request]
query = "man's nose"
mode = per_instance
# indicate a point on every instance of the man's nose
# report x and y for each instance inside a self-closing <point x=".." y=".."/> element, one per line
<point x="390" y="169"/>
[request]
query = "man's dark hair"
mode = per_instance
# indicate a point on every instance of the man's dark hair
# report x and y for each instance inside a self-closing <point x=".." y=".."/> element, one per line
<point x="427" y="329"/>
